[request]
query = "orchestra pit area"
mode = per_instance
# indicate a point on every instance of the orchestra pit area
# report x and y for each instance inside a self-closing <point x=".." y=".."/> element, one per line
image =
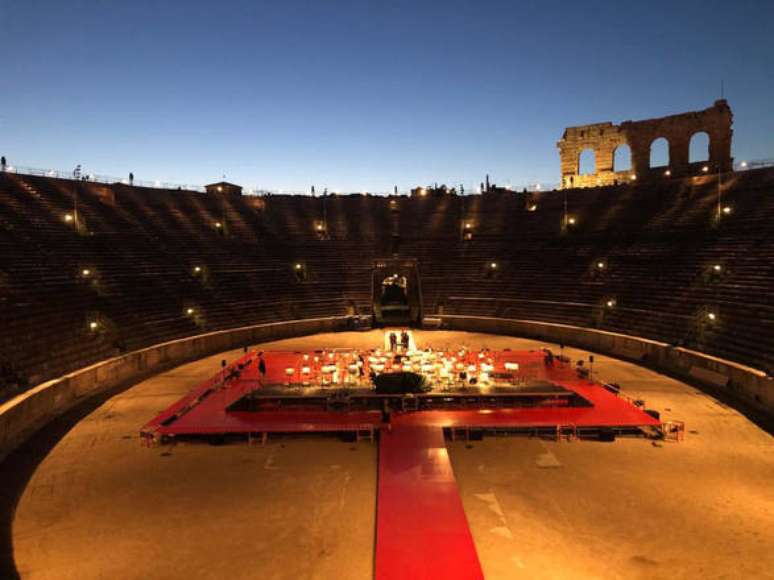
<point x="305" y="505"/>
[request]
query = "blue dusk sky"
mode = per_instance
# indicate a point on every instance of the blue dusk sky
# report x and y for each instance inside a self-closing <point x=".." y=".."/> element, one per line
<point x="363" y="95"/>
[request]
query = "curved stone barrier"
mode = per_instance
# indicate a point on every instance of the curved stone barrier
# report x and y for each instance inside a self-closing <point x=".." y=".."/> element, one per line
<point x="31" y="410"/>
<point x="744" y="383"/>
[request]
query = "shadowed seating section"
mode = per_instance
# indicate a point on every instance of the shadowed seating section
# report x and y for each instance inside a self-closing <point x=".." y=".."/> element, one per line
<point x="91" y="270"/>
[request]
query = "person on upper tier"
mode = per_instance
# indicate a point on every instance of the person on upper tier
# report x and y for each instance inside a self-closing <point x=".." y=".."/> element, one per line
<point x="2" y="163"/>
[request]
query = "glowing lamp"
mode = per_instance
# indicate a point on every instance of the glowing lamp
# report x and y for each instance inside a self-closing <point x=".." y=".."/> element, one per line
<point x="68" y="217"/>
<point x="493" y="265"/>
<point x="85" y="272"/>
<point x="532" y="207"/>
<point x="705" y="169"/>
<point x="93" y="325"/>
<point x="468" y="225"/>
<point x="744" y="164"/>
<point x="197" y="269"/>
<point x="610" y="303"/>
<point x="601" y="265"/>
<point x="218" y="225"/>
<point x="717" y="267"/>
<point x="297" y="266"/>
<point x="189" y="311"/>
<point x="633" y="177"/>
<point x="727" y="209"/>
<point x="712" y="316"/>
<point x="571" y="221"/>
<point x="667" y="173"/>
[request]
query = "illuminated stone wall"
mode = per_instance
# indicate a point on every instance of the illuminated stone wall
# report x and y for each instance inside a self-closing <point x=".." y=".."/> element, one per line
<point x="604" y="138"/>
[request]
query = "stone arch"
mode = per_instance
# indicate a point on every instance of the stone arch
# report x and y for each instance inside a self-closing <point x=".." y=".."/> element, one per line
<point x="587" y="161"/>
<point x="659" y="152"/>
<point x="699" y="147"/>
<point x="622" y="158"/>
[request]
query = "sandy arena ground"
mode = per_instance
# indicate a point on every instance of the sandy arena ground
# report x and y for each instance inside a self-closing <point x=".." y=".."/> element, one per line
<point x="102" y="506"/>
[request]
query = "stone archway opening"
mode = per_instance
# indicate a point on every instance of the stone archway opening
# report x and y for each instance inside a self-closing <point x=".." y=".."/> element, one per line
<point x="622" y="158"/>
<point x="587" y="162"/>
<point x="659" y="152"/>
<point x="699" y="147"/>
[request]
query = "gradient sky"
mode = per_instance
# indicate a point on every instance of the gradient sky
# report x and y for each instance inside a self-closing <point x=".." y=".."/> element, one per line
<point x="363" y="95"/>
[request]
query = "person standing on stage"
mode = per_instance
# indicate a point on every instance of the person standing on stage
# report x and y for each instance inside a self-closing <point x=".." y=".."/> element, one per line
<point x="261" y="366"/>
<point x="393" y="342"/>
<point x="404" y="339"/>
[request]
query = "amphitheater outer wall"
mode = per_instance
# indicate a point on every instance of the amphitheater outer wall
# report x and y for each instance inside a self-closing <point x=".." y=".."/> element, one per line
<point x="737" y="381"/>
<point x="31" y="410"/>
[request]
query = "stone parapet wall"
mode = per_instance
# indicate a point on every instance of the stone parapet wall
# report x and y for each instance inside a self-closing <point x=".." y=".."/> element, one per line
<point x="31" y="410"/>
<point x="751" y="386"/>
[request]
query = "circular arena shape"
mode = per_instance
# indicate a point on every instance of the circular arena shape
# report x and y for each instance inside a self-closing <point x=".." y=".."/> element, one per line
<point x="87" y="497"/>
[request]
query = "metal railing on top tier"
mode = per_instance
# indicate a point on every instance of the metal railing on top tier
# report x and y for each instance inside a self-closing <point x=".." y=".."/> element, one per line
<point x="260" y="191"/>
<point x="95" y="178"/>
<point x="257" y="191"/>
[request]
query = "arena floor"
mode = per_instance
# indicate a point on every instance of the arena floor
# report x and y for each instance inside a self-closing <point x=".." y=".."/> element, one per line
<point x="100" y="505"/>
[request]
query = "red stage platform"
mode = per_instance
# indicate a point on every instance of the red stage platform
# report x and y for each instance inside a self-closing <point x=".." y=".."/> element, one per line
<point x="421" y="529"/>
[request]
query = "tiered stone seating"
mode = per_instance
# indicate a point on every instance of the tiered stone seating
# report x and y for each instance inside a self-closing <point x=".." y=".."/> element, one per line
<point x="142" y="248"/>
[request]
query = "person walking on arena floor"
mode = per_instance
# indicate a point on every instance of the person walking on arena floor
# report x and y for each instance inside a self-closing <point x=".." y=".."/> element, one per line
<point x="405" y="340"/>
<point x="261" y="366"/>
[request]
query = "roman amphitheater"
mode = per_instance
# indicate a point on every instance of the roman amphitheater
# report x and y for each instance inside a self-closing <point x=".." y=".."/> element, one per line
<point x="192" y="381"/>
